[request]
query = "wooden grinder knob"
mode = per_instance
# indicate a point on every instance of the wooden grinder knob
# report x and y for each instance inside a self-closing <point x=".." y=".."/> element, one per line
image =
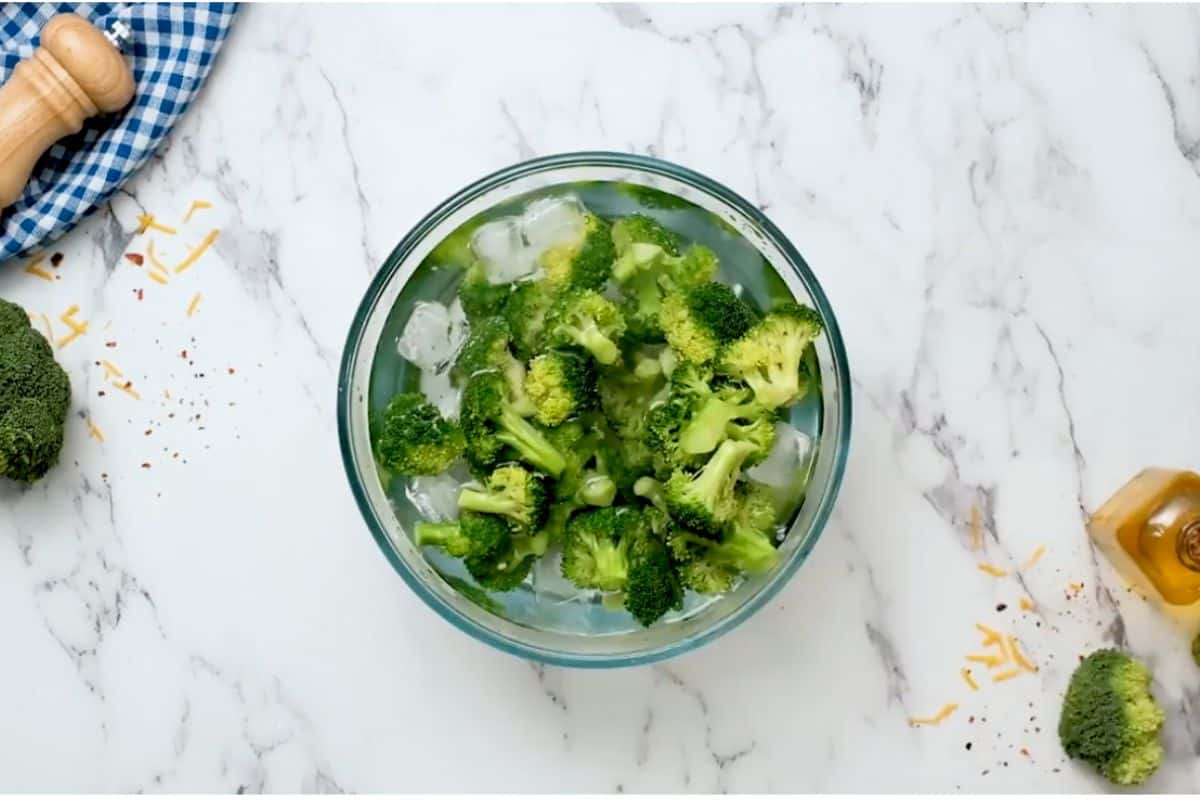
<point x="76" y="73"/>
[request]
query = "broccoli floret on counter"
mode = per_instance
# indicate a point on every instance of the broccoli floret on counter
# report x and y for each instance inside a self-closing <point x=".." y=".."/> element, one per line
<point x="34" y="395"/>
<point x="768" y="357"/>
<point x="700" y="320"/>
<point x="1110" y="719"/>
<point x="704" y="501"/>
<point x="511" y="491"/>
<point x="414" y="438"/>
<point x="526" y="315"/>
<point x="587" y="319"/>
<point x="560" y="385"/>
<point x="493" y="427"/>
<point x="585" y="264"/>
<point x="487" y="350"/>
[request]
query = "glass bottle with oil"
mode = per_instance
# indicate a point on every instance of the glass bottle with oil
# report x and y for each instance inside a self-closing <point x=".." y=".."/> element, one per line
<point x="1150" y="529"/>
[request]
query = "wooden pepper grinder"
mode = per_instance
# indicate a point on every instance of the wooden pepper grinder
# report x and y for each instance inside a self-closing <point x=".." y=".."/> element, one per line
<point x="76" y="73"/>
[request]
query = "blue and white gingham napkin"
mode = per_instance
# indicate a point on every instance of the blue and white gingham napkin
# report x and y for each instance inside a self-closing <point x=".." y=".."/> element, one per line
<point x="171" y="52"/>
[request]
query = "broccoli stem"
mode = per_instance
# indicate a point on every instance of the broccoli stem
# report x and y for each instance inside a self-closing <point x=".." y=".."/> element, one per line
<point x="598" y="490"/>
<point x="717" y="474"/>
<point x="707" y="428"/>
<point x="527" y="440"/>
<point x="651" y="490"/>
<point x="488" y="503"/>
<point x="749" y="550"/>
<point x="592" y="339"/>
<point x="514" y="375"/>
<point x="436" y="534"/>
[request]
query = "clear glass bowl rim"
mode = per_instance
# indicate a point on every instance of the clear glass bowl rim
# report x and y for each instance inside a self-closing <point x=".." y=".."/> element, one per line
<point x="653" y="166"/>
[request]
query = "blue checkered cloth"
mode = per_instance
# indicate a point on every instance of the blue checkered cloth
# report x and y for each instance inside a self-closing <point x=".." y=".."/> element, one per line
<point x="171" y="51"/>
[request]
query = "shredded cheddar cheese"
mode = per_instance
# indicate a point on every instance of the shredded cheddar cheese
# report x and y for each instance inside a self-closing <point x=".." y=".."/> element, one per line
<point x="989" y="636"/>
<point x="1027" y="604"/>
<point x="995" y="572"/>
<point x="976" y="532"/>
<point x="1019" y="657"/>
<point x="154" y="276"/>
<point x="154" y="259"/>
<point x="966" y="676"/>
<point x="147" y="221"/>
<point x="196" y="206"/>
<point x="1075" y="587"/>
<point x="94" y="432"/>
<point x="191" y="309"/>
<point x="72" y="336"/>
<point x="986" y="659"/>
<point x="127" y="388"/>
<point x="1004" y="648"/>
<point x="111" y="369"/>
<point x="1008" y="675"/>
<point x="49" y="327"/>
<point x="33" y="268"/>
<point x="945" y="711"/>
<point x="199" y="251"/>
<point x="1037" y="554"/>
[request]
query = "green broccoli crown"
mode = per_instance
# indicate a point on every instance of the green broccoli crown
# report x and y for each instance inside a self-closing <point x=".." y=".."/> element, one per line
<point x="585" y="264"/>
<point x="12" y="317"/>
<point x="578" y="447"/>
<point x="526" y="315"/>
<point x="514" y="492"/>
<point x="486" y="349"/>
<point x="653" y="586"/>
<point x="491" y="425"/>
<point x="759" y="432"/>
<point x="414" y="438"/>
<point x="699" y="320"/>
<point x="704" y="501"/>
<point x="756" y="506"/>
<point x="483" y="535"/>
<point x="34" y="395"/>
<point x="587" y="319"/>
<point x="641" y="229"/>
<point x="1110" y="719"/>
<point x="768" y="357"/>
<point x="596" y="549"/>
<point x="481" y="299"/>
<point x="712" y="566"/>
<point x="560" y="385"/>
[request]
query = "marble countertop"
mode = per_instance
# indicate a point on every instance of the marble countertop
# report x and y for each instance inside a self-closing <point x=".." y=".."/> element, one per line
<point x="1003" y="204"/>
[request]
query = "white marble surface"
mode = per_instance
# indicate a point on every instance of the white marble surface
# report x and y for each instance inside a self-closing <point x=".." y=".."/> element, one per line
<point x="1004" y="207"/>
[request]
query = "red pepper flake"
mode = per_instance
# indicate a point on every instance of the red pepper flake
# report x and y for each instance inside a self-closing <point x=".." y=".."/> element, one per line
<point x="1025" y="752"/>
<point x="139" y="295"/>
<point x="56" y="259"/>
<point x="148" y="432"/>
<point x="145" y="465"/>
<point x="110" y="345"/>
<point x="231" y="370"/>
<point x="135" y="258"/>
<point x="183" y="353"/>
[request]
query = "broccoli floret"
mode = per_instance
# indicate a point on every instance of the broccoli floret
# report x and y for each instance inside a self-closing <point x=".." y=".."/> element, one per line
<point x="651" y="490"/>
<point x="414" y="438"/>
<point x="1110" y="719"/>
<point x="704" y="501"/>
<point x="710" y="408"/>
<point x="641" y="229"/>
<point x="585" y="264"/>
<point x="481" y="299"/>
<point x="713" y="566"/>
<point x="526" y="315"/>
<point x="471" y="533"/>
<point x="491" y="425"/>
<point x="759" y="432"/>
<point x="511" y="491"/>
<point x="34" y="395"/>
<point x="653" y="587"/>
<point x="596" y="550"/>
<point x="486" y="350"/>
<point x="560" y="384"/>
<point x="756" y="506"/>
<point x="584" y="318"/>
<point x="12" y="318"/>
<point x="768" y="357"/>
<point x="699" y="320"/>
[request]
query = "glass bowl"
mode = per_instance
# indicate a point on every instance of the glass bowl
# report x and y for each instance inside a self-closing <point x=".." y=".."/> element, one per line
<point x="580" y="632"/>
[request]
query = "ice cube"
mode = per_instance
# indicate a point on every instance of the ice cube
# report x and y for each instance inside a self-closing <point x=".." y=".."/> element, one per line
<point x="434" y="496"/>
<point x="787" y="463"/>
<point x="501" y="247"/>
<point x="438" y="390"/>
<point x="552" y="221"/>
<point x="431" y="338"/>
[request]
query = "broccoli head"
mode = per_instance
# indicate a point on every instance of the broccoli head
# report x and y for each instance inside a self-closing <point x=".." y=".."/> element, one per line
<point x="414" y="438"/>
<point x="34" y="395"/>
<point x="584" y="264"/>
<point x="704" y="501"/>
<point x="560" y="384"/>
<point x="470" y="534"/>
<point x="653" y="586"/>
<point x="1110" y="719"/>
<point x="493" y="427"/>
<point x="596" y="549"/>
<point x="641" y="229"/>
<point x="511" y="491"/>
<point x="479" y="297"/>
<point x="700" y="320"/>
<point x="768" y="357"/>
<point x="526" y="315"/>
<point x="486" y="349"/>
<point x="587" y="319"/>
